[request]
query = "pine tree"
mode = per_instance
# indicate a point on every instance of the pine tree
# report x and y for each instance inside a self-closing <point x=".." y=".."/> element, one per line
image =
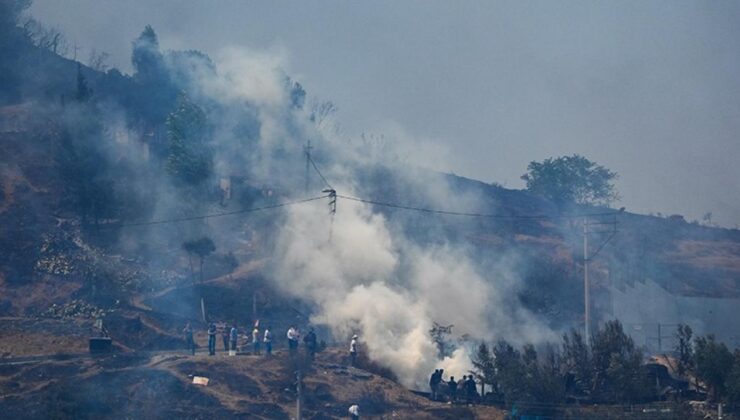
<point x="485" y="370"/>
<point x="684" y="349"/>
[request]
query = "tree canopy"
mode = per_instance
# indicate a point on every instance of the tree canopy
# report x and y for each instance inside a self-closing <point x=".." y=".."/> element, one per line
<point x="571" y="179"/>
<point x="189" y="160"/>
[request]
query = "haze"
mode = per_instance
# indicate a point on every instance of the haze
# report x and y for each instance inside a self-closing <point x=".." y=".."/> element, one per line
<point x="649" y="89"/>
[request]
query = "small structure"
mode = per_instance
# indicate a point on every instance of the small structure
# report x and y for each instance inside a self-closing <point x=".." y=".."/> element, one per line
<point x="100" y="345"/>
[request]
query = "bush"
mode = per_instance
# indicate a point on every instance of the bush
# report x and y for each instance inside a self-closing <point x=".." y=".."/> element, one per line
<point x="373" y="401"/>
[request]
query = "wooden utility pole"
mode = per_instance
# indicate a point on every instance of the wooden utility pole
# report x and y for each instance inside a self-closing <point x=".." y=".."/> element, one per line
<point x="203" y="309"/>
<point x="586" y="288"/>
<point x="254" y="305"/>
<point x="299" y="391"/>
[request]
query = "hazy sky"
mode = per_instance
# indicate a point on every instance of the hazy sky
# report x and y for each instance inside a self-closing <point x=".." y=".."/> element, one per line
<point x="649" y="89"/>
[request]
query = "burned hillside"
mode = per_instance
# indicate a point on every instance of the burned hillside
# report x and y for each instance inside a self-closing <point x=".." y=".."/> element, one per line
<point x="199" y="190"/>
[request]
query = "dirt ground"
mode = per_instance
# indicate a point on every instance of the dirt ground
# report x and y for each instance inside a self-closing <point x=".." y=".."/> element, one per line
<point x="159" y="385"/>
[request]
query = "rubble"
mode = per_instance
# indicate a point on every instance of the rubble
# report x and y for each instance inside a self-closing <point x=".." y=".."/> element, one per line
<point x="60" y="254"/>
<point x="75" y="309"/>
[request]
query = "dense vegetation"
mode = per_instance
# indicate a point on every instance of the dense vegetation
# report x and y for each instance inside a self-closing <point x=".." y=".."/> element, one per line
<point x="571" y="179"/>
<point x="609" y="369"/>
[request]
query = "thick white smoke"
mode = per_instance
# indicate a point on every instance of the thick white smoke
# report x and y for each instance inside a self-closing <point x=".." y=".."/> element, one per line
<point x="361" y="272"/>
<point x="368" y="280"/>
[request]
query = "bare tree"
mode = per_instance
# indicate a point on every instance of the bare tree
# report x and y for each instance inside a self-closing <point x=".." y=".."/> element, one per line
<point x="50" y="39"/>
<point x="97" y="60"/>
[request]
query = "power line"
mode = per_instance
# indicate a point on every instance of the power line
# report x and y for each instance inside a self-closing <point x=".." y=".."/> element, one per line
<point x="310" y="159"/>
<point x="446" y="212"/>
<point x="482" y="215"/>
<point x="213" y="215"/>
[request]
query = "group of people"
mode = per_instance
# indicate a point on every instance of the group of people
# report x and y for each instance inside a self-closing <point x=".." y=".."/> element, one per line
<point x="453" y="390"/>
<point x="310" y="341"/>
<point x="230" y="337"/>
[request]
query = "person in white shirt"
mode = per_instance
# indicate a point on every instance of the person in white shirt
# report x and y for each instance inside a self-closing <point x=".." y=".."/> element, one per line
<point x="354" y="412"/>
<point x="292" y="340"/>
<point x="353" y="350"/>
<point x="268" y="341"/>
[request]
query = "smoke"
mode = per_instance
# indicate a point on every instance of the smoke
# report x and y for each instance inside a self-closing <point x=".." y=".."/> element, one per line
<point x="361" y="271"/>
<point x="369" y="280"/>
<point x="387" y="277"/>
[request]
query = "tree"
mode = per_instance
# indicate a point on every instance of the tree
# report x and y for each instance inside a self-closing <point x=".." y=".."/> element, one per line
<point x="550" y="381"/>
<point x="440" y="334"/>
<point x="84" y="92"/>
<point x="732" y="384"/>
<point x="83" y="162"/>
<point x="577" y="361"/>
<point x="46" y="38"/>
<point x="618" y="374"/>
<point x="10" y="12"/>
<point x="684" y="349"/>
<point x="320" y="111"/>
<point x="201" y="247"/>
<point x="713" y="362"/>
<point x="571" y="179"/>
<point x="189" y="160"/>
<point x="509" y="368"/>
<point x="157" y="95"/>
<point x="485" y="370"/>
<point x="146" y="57"/>
<point x="97" y="60"/>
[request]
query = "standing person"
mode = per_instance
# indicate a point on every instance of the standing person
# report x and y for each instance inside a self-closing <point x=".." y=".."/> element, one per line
<point x="354" y="412"/>
<point x="212" y="339"/>
<point x="461" y="386"/>
<point x="310" y="341"/>
<point x="268" y="341"/>
<point x="353" y="351"/>
<point x="470" y="389"/>
<point x="452" y="385"/>
<point x="434" y="381"/>
<point x="292" y="340"/>
<point x="233" y="336"/>
<point x="256" y="340"/>
<point x="225" y="335"/>
<point x="188" y="331"/>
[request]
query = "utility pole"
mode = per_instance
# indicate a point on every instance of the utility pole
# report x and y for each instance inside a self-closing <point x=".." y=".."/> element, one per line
<point x="586" y="286"/>
<point x="612" y="230"/>
<point x="203" y="308"/>
<point x="307" y="150"/>
<point x="254" y="305"/>
<point x="299" y="391"/>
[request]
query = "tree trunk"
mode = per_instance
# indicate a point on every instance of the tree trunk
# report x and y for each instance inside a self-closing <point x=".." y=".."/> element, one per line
<point x="201" y="270"/>
<point x="192" y="271"/>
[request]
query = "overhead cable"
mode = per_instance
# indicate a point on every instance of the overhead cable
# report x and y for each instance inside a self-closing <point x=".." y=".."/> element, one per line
<point x="482" y="215"/>
<point x="222" y="214"/>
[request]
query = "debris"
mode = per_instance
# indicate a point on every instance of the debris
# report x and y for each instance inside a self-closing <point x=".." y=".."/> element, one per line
<point x="200" y="380"/>
<point x="74" y="309"/>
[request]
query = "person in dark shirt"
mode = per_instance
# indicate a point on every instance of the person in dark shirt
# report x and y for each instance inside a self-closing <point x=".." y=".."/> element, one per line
<point x="470" y="389"/>
<point x="188" y="332"/>
<point x="310" y="341"/>
<point x="225" y="330"/>
<point x="453" y="389"/>
<point x="434" y="381"/>
<point x="212" y="339"/>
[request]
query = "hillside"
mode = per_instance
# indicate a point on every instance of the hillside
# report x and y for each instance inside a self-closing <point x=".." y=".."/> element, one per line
<point x="107" y="180"/>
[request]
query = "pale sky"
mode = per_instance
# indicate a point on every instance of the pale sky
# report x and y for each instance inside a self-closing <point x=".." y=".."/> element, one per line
<point x="649" y="89"/>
